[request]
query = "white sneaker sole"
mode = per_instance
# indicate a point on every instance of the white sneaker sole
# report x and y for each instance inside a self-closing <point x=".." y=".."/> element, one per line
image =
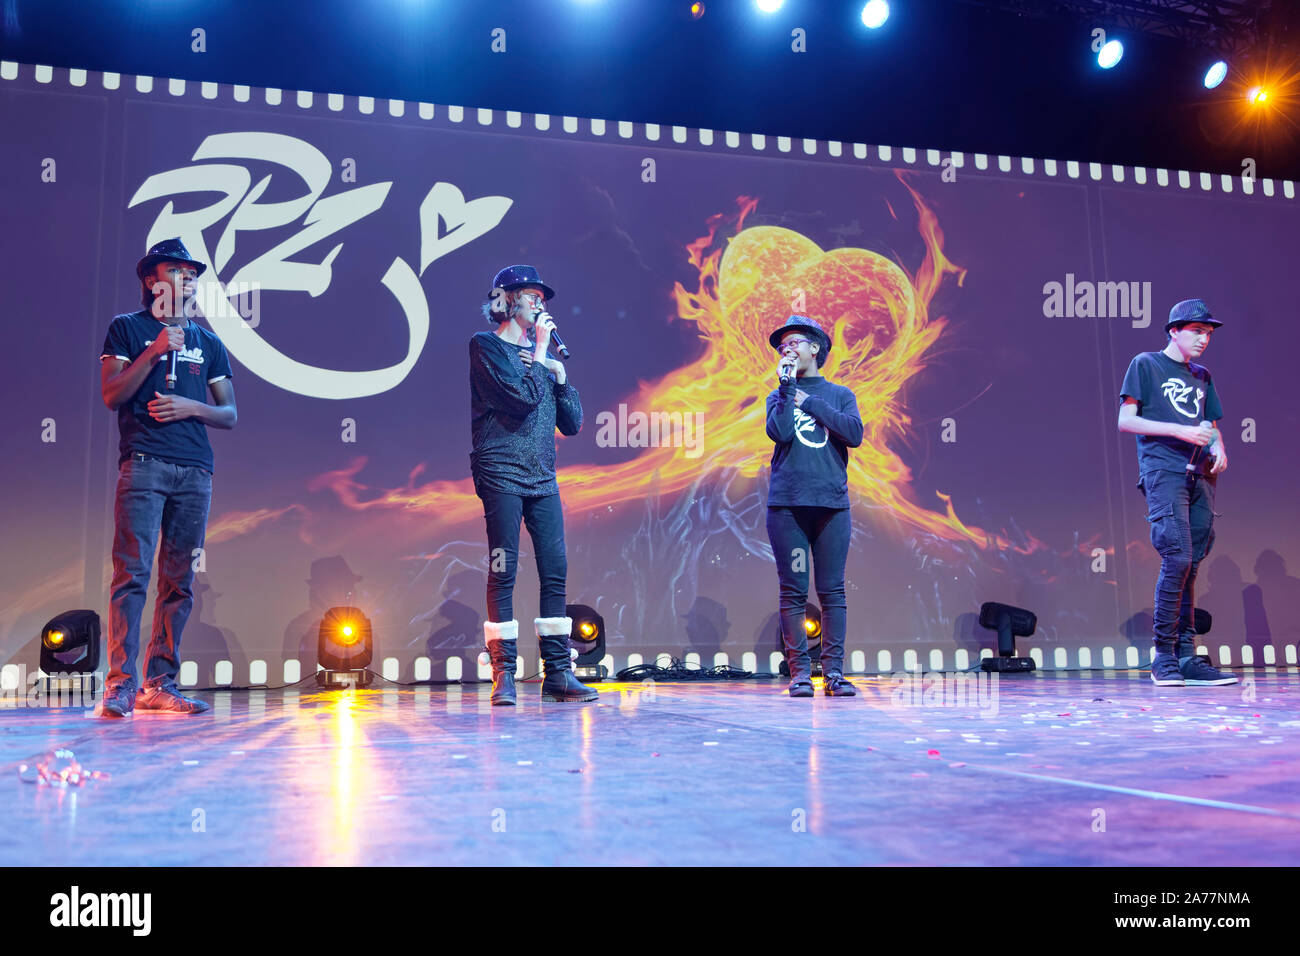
<point x="1167" y="681"/>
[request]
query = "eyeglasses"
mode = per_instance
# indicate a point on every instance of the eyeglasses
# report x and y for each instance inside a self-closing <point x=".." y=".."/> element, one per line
<point x="532" y="298"/>
<point x="796" y="342"/>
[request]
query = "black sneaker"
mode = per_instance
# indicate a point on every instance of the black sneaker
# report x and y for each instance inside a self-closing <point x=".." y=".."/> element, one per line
<point x="166" y="699"/>
<point x="117" y="702"/>
<point x="801" y="687"/>
<point x="1165" y="671"/>
<point x="1199" y="672"/>
<point x="836" y="686"/>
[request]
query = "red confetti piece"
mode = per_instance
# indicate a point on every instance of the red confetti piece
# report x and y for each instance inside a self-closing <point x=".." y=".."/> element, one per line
<point x="932" y="753"/>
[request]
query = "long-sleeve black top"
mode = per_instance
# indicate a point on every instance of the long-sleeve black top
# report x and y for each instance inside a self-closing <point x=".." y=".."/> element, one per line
<point x="811" y="457"/>
<point x="514" y="411"/>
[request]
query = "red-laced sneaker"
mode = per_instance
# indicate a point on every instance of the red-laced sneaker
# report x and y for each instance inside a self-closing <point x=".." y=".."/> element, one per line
<point x="167" y="700"/>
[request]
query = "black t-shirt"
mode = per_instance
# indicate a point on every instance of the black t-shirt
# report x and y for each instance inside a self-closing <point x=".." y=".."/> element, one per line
<point x="1176" y="392"/>
<point x="810" y="460"/>
<point x="202" y="362"/>
<point x="514" y="411"/>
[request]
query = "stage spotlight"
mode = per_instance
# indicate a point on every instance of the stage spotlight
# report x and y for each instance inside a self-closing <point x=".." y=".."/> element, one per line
<point x="588" y="639"/>
<point x="812" y="627"/>
<point x="875" y="13"/>
<point x="1215" y="75"/>
<point x="69" y="659"/>
<point x="70" y="643"/>
<point x="1257" y="96"/>
<point x="769" y="6"/>
<point x="1009" y="622"/>
<point x="697" y="10"/>
<point x="344" y="648"/>
<point x="1111" y="53"/>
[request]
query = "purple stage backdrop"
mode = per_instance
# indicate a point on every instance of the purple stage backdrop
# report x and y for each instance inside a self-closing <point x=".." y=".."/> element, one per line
<point x="984" y="310"/>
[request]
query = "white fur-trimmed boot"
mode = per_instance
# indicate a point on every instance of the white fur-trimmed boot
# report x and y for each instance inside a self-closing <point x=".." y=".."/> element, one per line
<point x="558" y="682"/>
<point x="501" y="639"/>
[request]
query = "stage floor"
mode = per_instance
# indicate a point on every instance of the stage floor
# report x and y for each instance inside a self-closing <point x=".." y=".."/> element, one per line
<point x="1044" y="769"/>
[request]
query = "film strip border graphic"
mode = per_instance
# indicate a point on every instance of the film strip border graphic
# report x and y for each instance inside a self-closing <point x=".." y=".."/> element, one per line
<point x="925" y="658"/>
<point x="652" y="134"/>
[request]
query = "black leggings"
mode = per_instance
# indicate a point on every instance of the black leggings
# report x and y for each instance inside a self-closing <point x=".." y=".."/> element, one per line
<point x="819" y="536"/>
<point x="545" y="522"/>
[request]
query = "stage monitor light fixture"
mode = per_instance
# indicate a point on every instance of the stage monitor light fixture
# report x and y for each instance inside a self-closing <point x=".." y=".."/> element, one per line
<point x="1112" y="52"/>
<point x="588" y="639"/>
<point x="344" y="648"/>
<point x="70" y="643"/>
<point x="1215" y="75"/>
<point x="875" y="13"/>
<point x="1010" y="623"/>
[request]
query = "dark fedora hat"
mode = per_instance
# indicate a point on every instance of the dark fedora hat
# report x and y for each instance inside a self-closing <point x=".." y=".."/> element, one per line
<point x="169" y="250"/>
<point x="801" y="323"/>
<point x="1188" y="311"/>
<point x="516" y="277"/>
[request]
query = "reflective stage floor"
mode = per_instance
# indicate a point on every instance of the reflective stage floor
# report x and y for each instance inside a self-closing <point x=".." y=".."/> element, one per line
<point x="1043" y="769"/>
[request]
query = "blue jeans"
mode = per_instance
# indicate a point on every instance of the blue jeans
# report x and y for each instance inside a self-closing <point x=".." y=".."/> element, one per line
<point x="1180" y="509"/>
<point x="819" y="535"/>
<point x="154" y="495"/>
<point x="545" y="522"/>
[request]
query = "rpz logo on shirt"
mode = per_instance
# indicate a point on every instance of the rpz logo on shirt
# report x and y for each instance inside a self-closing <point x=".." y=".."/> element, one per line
<point x="803" y="422"/>
<point x="1179" y="396"/>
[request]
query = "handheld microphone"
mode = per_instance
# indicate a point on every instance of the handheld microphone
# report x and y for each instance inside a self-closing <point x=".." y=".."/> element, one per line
<point x="785" y="373"/>
<point x="171" y="371"/>
<point x="560" y="347"/>
<point x="1191" y="465"/>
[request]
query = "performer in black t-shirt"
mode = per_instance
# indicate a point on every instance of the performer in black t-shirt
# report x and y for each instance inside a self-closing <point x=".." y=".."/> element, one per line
<point x="164" y="478"/>
<point x="813" y="423"/>
<point x="518" y="397"/>
<point x="1171" y="404"/>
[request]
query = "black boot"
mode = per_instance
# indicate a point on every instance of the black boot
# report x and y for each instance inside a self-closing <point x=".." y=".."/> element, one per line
<point x="500" y="639"/>
<point x="558" y="682"/>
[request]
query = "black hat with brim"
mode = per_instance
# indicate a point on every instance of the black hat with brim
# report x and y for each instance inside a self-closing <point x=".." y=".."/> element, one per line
<point x="169" y="250"/>
<point x="516" y="277"/>
<point x="1189" y="311"/>
<point x="801" y="323"/>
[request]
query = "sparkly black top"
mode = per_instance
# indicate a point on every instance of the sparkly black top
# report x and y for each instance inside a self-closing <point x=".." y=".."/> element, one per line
<point x="514" y="411"/>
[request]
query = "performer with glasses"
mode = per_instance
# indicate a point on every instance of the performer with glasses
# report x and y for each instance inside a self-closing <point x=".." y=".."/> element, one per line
<point x="519" y="396"/>
<point x="813" y="423"/>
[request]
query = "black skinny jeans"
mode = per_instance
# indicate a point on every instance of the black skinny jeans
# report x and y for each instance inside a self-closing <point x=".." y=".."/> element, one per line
<point x="1180" y="509"/>
<point x="545" y="522"/>
<point x="819" y="536"/>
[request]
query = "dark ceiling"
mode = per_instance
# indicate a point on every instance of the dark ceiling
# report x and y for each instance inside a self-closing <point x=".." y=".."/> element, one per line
<point x="1014" y="77"/>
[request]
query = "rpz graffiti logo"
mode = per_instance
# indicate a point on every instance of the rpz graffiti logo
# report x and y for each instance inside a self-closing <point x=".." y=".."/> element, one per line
<point x="805" y="423"/>
<point x="1178" y="395"/>
<point x="447" y="222"/>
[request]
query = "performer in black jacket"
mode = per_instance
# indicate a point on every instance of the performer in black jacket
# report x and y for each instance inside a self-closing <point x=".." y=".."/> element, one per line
<point x="814" y="423"/>
<point x="519" y="396"/>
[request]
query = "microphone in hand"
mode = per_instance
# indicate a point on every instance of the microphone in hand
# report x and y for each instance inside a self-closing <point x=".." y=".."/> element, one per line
<point x="560" y="347"/>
